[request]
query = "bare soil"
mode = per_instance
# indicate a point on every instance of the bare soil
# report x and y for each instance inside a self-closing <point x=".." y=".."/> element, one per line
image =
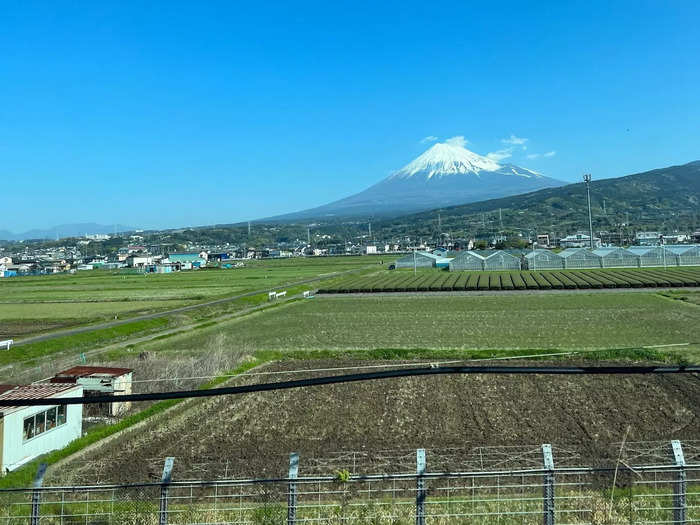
<point x="252" y="435"/>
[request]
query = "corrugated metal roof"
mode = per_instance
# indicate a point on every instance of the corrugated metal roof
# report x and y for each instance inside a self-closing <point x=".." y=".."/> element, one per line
<point x="87" y="371"/>
<point x="34" y="391"/>
<point x="5" y="388"/>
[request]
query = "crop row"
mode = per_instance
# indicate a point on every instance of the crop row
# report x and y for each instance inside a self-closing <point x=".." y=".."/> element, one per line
<point x="435" y="281"/>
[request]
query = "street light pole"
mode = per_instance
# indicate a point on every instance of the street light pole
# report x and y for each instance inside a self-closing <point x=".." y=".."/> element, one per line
<point x="587" y="180"/>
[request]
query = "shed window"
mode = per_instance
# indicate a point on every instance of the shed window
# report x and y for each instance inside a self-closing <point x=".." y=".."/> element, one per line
<point x="29" y="428"/>
<point x="61" y="415"/>
<point x="39" y="420"/>
<point x="44" y="421"/>
<point x="50" y="418"/>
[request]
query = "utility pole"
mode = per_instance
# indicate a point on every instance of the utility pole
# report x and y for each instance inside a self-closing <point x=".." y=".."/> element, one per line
<point x="370" y="230"/>
<point x="500" y="218"/>
<point x="587" y="180"/>
<point x="248" y="228"/>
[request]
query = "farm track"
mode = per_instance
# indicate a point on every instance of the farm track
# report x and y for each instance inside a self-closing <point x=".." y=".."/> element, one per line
<point x="180" y="330"/>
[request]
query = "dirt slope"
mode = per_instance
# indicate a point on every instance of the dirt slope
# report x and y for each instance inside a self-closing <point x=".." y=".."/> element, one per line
<point x="252" y="435"/>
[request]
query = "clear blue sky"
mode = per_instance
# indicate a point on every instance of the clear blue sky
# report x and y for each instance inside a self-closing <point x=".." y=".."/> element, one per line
<point x="167" y="114"/>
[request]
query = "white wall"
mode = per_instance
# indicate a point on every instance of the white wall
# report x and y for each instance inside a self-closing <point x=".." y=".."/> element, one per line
<point x="16" y="451"/>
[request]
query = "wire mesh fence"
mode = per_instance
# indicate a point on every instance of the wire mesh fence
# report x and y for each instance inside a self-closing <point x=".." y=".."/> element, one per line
<point x="666" y="491"/>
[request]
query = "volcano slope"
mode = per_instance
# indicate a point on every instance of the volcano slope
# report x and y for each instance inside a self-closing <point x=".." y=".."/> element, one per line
<point x="252" y="435"/>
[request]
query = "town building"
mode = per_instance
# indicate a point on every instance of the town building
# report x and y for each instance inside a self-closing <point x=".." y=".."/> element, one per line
<point x="579" y="240"/>
<point x="647" y="238"/>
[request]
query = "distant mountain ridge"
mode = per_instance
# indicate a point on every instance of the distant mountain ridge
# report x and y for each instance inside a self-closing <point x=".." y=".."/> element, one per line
<point x="653" y="198"/>
<point x="444" y="175"/>
<point x="65" y="230"/>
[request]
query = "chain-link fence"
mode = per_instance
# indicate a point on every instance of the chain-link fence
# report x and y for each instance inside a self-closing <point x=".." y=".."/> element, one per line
<point x="626" y="491"/>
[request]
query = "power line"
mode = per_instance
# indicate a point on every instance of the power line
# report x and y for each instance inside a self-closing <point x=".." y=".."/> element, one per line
<point x="369" y="376"/>
<point x="392" y="365"/>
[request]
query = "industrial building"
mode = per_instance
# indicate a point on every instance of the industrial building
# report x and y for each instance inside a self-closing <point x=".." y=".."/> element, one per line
<point x="543" y="260"/>
<point x="580" y="258"/>
<point x="579" y="240"/>
<point x="616" y="257"/>
<point x="27" y="432"/>
<point x="99" y="381"/>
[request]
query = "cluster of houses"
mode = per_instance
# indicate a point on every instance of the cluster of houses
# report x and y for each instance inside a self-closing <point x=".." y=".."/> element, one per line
<point x="27" y="432"/>
<point x="541" y="259"/>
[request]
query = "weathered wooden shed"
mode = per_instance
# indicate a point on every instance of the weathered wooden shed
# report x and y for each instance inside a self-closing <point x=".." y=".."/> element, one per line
<point x="100" y="380"/>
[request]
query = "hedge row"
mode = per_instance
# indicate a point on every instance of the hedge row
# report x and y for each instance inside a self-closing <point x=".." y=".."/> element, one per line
<point x="433" y="281"/>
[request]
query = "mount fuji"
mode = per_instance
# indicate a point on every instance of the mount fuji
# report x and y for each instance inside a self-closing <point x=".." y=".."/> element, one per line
<point x="445" y="175"/>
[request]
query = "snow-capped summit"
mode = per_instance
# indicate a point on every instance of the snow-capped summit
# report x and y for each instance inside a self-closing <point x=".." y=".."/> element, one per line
<point x="445" y="159"/>
<point x="447" y="174"/>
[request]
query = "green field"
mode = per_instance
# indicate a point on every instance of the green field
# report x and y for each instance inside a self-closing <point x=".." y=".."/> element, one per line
<point x="520" y="321"/>
<point x="437" y="281"/>
<point x="31" y="305"/>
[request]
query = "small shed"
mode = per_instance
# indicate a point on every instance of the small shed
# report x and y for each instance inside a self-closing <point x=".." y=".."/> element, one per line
<point x="501" y="260"/>
<point x="422" y="260"/>
<point x="616" y="257"/>
<point x="100" y="381"/>
<point x="467" y="260"/>
<point x="543" y="260"/>
<point x="27" y="432"/>
<point x="580" y="258"/>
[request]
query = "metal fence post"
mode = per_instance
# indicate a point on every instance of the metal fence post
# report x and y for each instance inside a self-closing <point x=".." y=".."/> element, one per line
<point x="679" y="486"/>
<point x="420" y="486"/>
<point x="36" y="493"/>
<point x="548" y="485"/>
<point x="164" y="485"/>
<point x="292" y="489"/>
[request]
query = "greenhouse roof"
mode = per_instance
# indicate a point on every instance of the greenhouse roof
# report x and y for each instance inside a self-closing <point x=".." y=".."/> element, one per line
<point x="602" y="252"/>
<point x="573" y="251"/>
<point x="469" y="253"/>
<point x="531" y="254"/>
